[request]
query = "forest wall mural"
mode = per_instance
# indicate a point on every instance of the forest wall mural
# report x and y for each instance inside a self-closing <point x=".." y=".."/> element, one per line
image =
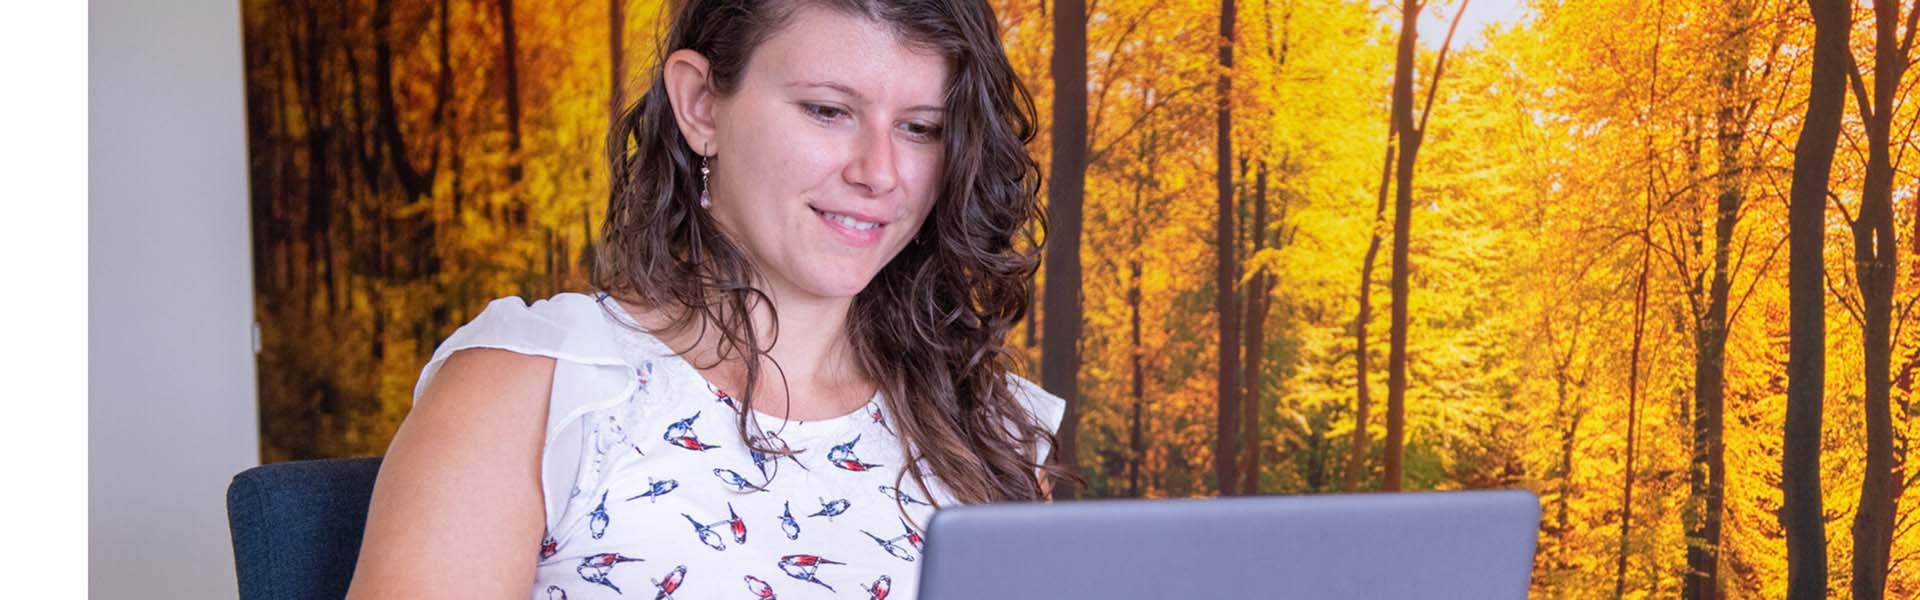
<point x="1653" y="260"/>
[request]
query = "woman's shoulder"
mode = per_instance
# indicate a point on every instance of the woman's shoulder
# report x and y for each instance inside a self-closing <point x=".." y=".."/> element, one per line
<point x="570" y="349"/>
<point x="565" y="324"/>
<point x="567" y="327"/>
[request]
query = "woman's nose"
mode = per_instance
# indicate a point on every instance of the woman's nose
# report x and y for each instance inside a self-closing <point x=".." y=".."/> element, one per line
<point x="874" y="166"/>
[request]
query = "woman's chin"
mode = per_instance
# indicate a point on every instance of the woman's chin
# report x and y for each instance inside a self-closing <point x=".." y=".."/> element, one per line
<point x="831" y="275"/>
<point x="840" y="283"/>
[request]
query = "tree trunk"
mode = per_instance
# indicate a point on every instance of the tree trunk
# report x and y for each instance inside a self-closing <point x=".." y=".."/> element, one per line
<point x="1033" y="320"/>
<point x="418" y="183"/>
<point x="1802" y="517"/>
<point x="1874" y="263"/>
<point x="424" y="255"/>
<point x="1257" y="290"/>
<point x="318" y="221"/>
<point x="1362" y="402"/>
<point x="443" y="84"/>
<point x="1563" y="505"/>
<point x="510" y="59"/>
<point x="454" y="154"/>
<point x="1136" y="441"/>
<point x="1639" y="326"/>
<point x="1633" y="395"/>
<point x="1875" y="259"/>
<point x="1225" y="272"/>
<point x="1137" y="351"/>
<point x="1060" y="333"/>
<point x="263" y="139"/>
<point x="1564" y="411"/>
<point x="616" y="56"/>
<point x="1402" y="110"/>
<point x="1260" y="291"/>
<point x="1707" y="477"/>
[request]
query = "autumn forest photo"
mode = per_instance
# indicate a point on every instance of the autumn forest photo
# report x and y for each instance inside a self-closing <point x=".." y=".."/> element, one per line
<point x="1655" y="261"/>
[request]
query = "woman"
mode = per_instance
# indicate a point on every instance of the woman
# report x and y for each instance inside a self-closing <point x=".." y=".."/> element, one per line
<point x="808" y="269"/>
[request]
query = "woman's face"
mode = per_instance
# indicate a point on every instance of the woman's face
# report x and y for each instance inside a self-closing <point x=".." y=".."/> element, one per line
<point x="827" y="158"/>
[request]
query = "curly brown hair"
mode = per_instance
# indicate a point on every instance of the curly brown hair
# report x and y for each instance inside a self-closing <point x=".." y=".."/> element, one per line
<point x="930" y="328"/>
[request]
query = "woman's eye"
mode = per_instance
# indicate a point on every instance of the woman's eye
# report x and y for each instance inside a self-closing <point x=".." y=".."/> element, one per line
<point x="923" y="131"/>
<point x="823" y="112"/>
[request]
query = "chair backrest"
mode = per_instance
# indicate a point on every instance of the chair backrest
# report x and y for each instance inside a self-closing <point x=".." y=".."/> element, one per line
<point x="297" y="527"/>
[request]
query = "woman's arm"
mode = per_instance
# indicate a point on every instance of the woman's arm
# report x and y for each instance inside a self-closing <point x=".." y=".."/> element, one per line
<point x="457" y="510"/>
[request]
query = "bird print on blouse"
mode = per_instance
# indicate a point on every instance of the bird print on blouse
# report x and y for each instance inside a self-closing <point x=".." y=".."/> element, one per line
<point x="901" y="497"/>
<point x="823" y="569"/>
<point x="832" y="508"/>
<point x="685" y="504"/>
<point x="760" y="589"/>
<point x="722" y="398"/>
<point x="842" y="456"/>
<point x="707" y="535"/>
<point x="671" y="583"/>
<point x="735" y="482"/>
<point x="681" y="434"/>
<point x="598" y="519"/>
<point x="901" y="546"/>
<point x="767" y="461"/>
<point x="879" y="589"/>
<point x="787" y="524"/>
<point x="656" y="489"/>
<point x="599" y="568"/>
<point x="873" y="414"/>
<point x="738" y="525"/>
<point x="804" y="566"/>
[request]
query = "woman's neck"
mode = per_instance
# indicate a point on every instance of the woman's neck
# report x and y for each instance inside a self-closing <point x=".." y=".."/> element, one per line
<point x="809" y="343"/>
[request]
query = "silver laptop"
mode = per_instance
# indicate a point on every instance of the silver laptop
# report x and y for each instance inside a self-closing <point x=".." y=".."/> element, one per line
<point x="1471" y="545"/>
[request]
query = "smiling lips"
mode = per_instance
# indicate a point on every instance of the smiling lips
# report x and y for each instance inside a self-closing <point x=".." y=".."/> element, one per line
<point x="850" y="221"/>
<point x="860" y="231"/>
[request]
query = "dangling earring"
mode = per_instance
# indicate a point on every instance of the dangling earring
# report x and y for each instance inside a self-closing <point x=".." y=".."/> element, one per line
<point x="706" y="200"/>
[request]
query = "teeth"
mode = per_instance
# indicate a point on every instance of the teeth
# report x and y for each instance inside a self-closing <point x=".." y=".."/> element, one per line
<point x="849" y="221"/>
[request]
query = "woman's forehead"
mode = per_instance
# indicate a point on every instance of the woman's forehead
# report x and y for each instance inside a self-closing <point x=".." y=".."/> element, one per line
<point x="854" y="57"/>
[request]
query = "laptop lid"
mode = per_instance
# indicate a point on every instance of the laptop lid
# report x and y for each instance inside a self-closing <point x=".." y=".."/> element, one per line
<point x="1476" y="544"/>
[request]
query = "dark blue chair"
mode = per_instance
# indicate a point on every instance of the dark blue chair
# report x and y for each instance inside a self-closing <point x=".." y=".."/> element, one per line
<point x="297" y="527"/>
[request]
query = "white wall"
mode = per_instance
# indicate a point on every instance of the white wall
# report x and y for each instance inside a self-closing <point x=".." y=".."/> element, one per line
<point x="171" y="411"/>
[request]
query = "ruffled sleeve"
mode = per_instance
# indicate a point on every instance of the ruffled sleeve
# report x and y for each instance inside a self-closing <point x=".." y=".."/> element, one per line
<point x="589" y="375"/>
<point x="1046" y="408"/>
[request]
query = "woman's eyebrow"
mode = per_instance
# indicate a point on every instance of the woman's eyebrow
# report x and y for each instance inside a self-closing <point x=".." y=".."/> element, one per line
<point x="856" y="95"/>
<point x="832" y="85"/>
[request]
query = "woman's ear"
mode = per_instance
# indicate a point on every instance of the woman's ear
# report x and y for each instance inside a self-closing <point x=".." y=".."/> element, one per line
<point x="692" y="98"/>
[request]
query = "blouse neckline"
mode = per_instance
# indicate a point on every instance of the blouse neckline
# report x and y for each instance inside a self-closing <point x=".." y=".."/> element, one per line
<point x="664" y="356"/>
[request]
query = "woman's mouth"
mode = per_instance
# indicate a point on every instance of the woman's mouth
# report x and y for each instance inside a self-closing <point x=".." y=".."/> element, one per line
<point x="859" y="231"/>
<point x="849" y="221"/>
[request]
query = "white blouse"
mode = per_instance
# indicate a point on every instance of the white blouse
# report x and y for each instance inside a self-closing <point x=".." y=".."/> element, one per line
<point x="649" y="487"/>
